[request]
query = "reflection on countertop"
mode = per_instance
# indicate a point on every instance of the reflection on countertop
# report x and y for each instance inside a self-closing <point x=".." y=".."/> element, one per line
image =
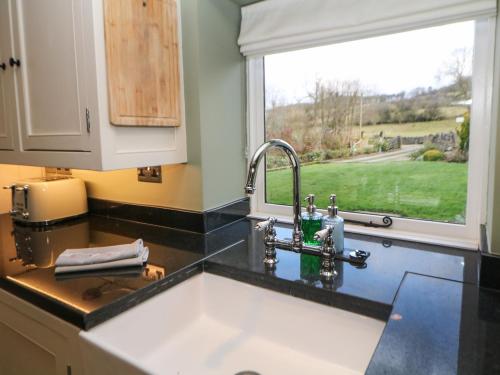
<point x="370" y="290"/>
<point x="27" y="256"/>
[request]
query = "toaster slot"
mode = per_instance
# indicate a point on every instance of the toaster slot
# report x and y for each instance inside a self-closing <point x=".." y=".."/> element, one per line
<point x="21" y="205"/>
<point x="12" y="188"/>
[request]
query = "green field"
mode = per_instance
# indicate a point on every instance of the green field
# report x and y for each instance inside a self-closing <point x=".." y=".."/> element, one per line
<point x="425" y="190"/>
<point x="411" y="129"/>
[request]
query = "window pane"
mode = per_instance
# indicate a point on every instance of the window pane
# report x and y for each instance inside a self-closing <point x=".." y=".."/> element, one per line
<point x="381" y="122"/>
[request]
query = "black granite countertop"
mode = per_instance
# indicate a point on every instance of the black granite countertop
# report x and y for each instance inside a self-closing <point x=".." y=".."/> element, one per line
<point x="369" y="291"/>
<point x="439" y="321"/>
<point x="439" y="326"/>
<point x="27" y="257"/>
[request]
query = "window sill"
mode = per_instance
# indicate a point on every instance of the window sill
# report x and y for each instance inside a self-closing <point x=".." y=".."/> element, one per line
<point x="389" y="233"/>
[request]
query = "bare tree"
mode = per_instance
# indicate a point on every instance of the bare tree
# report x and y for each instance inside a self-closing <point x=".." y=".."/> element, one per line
<point x="332" y="110"/>
<point x="458" y="68"/>
<point x="274" y="115"/>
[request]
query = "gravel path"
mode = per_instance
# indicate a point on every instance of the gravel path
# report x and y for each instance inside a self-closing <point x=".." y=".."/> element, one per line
<point x="400" y="155"/>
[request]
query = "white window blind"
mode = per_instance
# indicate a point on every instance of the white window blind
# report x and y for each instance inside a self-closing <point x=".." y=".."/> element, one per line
<point x="274" y="26"/>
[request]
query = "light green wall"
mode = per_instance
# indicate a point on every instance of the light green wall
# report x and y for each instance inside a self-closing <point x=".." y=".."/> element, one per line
<point x="493" y="205"/>
<point x="493" y="195"/>
<point x="214" y="76"/>
<point x="222" y="103"/>
<point x="191" y="66"/>
<point x="494" y="226"/>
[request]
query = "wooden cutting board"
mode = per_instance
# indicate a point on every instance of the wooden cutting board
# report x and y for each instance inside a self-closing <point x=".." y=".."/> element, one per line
<point x="142" y="53"/>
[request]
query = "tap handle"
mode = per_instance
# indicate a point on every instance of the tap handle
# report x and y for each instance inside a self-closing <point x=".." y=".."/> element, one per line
<point x="261" y="225"/>
<point x="327" y="252"/>
<point x="266" y="225"/>
<point x="323" y="234"/>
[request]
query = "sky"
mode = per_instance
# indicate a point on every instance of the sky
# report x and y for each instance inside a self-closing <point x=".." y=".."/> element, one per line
<point x="387" y="64"/>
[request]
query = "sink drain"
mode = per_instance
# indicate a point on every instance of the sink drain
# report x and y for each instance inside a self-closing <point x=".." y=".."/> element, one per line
<point x="247" y="373"/>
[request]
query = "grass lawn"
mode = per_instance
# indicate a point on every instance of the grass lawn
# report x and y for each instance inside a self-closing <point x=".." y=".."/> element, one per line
<point x="411" y="129"/>
<point x="416" y="189"/>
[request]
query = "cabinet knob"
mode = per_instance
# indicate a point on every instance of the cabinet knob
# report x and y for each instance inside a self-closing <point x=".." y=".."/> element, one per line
<point x="13" y="61"/>
<point x="3" y="66"/>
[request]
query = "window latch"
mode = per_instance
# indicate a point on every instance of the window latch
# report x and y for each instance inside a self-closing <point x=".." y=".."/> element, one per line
<point x="386" y="222"/>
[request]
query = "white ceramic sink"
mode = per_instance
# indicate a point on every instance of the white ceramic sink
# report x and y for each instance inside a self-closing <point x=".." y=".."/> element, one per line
<point x="214" y="325"/>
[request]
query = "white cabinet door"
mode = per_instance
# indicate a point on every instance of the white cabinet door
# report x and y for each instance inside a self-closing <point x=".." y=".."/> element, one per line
<point x="8" y="113"/>
<point x="50" y="40"/>
<point x="15" y="348"/>
<point x="35" y="342"/>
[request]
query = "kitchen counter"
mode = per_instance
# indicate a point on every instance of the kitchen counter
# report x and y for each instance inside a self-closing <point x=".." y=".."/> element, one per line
<point x="369" y="291"/>
<point x="27" y="269"/>
<point x="439" y="326"/>
<point x="438" y="320"/>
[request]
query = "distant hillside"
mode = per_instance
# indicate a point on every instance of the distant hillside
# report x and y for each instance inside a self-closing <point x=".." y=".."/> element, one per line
<point x="337" y="115"/>
<point x="420" y="104"/>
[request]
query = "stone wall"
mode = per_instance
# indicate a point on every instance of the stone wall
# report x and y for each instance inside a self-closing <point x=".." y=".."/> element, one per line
<point x="443" y="140"/>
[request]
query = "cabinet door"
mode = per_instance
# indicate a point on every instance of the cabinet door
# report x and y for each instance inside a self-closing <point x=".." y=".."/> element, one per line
<point x="142" y="54"/>
<point x="8" y="118"/>
<point x="34" y="342"/>
<point x="50" y="41"/>
<point x="15" y="348"/>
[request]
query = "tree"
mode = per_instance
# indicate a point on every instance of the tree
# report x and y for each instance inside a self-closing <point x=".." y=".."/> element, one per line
<point x="276" y="122"/>
<point x="458" y="68"/>
<point x="332" y="110"/>
<point x="431" y="112"/>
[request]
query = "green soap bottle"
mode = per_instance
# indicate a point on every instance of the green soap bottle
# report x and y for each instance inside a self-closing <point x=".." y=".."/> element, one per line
<point x="311" y="221"/>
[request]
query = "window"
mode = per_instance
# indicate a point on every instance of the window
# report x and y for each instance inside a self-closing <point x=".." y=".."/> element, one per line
<point x="394" y="125"/>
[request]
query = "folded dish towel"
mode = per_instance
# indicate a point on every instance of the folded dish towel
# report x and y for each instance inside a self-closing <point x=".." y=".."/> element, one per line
<point x="78" y="257"/>
<point x="98" y="258"/>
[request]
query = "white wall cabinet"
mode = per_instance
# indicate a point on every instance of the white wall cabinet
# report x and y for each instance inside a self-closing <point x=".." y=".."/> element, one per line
<point x="54" y="95"/>
<point x="8" y="115"/>
<point x="52" y="92"/>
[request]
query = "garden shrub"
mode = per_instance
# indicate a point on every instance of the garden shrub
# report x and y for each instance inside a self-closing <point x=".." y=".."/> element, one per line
<point x="463" y="132"/>
<point x="427" y="146"/>
<point x="456" y="156"/>
<point x="336" y="154"/>
<point x="433" y="155"/>
<point x="328" y="155"/>
<point x="311" y="156"/>
<point x="384" y="146"/>
<point x="368" y="150"/>
<point x="276" y="161"/>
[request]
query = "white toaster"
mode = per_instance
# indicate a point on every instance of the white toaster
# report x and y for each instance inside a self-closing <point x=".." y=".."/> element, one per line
<point x="44" y="201"/>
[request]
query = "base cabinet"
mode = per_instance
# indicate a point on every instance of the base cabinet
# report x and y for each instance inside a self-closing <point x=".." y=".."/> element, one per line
<point x="91" y="84"/>
<point x="96" y="361"/>
<point x="35" y="342"/>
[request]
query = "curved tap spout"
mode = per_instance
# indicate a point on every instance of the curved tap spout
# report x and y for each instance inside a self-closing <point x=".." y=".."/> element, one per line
<point x="294" y="161"/>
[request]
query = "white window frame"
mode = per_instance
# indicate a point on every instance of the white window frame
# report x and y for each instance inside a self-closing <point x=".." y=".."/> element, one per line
<point x="457" y="235"/>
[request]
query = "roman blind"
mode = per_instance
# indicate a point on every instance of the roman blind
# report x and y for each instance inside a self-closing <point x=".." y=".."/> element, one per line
<point x="274" y="26"/>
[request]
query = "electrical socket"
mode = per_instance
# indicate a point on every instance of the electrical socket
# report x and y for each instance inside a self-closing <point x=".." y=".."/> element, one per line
<point x="53" y="171"/>
<point x="149" y="174"/>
